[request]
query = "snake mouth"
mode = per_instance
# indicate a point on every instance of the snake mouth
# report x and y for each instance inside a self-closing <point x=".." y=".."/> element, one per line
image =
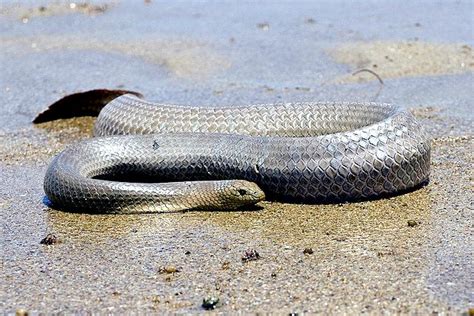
<point x="260" y="196"/>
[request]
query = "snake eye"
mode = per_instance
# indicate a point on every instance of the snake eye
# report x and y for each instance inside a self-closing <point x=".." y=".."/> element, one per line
<point x="242" y="192"/>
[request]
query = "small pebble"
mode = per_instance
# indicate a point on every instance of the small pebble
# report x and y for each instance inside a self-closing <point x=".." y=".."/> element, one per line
<point x="250" y="255"/>
<point x="225" y="265"/>
<point x="50" y="239"/>
<point x="168" y="269"/>
<point x="21" y="312"/>
<point x="263" y="26"/>
<point x="210" y="302"/>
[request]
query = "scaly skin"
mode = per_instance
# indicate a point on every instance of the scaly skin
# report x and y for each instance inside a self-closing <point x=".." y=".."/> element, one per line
<point x="305" y="152"/>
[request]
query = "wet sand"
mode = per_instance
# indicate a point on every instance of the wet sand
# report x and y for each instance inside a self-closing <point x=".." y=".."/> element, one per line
<point x="405" y="254"/>
<point x="404" y="59"/>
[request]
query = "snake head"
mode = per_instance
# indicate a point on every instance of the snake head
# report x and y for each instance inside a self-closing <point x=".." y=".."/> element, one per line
<point x="239" y="193"/>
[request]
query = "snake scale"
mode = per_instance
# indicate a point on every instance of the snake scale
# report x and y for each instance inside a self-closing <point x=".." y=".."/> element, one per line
<point x="185" y="157"/>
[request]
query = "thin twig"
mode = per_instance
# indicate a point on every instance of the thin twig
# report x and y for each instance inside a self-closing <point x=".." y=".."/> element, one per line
<point x="370" y="71"/>
<point x="377" y="94"/>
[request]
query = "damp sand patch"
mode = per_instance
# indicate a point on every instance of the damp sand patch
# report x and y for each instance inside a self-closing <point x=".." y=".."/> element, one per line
<point x="39" y="143"/>
<point x="402" y="59"/>
<point x="182" y="58"/>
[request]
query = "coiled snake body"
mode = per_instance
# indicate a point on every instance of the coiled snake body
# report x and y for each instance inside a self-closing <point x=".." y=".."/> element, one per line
<point x="305" y="152"/>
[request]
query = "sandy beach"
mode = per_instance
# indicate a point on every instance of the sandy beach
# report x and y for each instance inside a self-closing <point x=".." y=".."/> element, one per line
<point x="407" y="254"/>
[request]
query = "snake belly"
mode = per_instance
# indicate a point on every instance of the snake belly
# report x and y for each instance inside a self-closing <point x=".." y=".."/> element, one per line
<point x="223" y="157"/>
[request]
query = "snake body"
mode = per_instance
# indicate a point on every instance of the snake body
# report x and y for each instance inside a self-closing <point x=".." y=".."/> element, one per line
<point x="304" y="152"/>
